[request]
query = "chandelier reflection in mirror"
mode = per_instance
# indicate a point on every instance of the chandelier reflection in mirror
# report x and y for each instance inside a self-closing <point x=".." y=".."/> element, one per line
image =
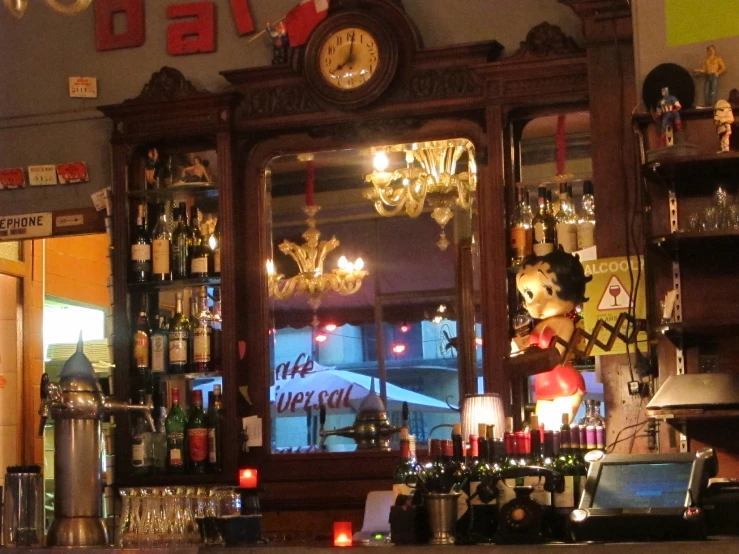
<point x="18" y="7"/>
<point x="430" y="174"/>
<point x="311" y="279"/>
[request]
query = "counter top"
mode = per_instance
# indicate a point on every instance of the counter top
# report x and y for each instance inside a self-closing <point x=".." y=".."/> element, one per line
<point x="697" y="547"/>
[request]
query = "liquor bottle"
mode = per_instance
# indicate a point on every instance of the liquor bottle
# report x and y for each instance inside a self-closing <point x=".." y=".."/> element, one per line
<point x="460" y="474"/>
<point x="566" y="222"/>
<point x="522" y="323"/>
<point x="165" y="175"/>
<point x="588" y="422"/>
<point x="214" y="243"/>
<point x="201" y="335"/>
<point x="140" y="249"/>
<point x="600" y="428"/>
<point x="435" y="468"/>
<point x="216" y="348"/>
<point x="521" y="232"/>
<point x="179" y="339"/>
<point x="200" y="257"/>
<point x="175" y="428"/>
<point x="197" y="435"/>
<point x="139" y="426"/>
<point x="586" y="221"/>
<point x="192" y="318"/>
<point x="542" y="225"/>
<point x="405" y="475"/>
<point x="141" y="345"/>
<point x="575" y="439"/>
<point x="550" y="208"/>
<point x="505" y="488"/>
<point x="159" y="347"/>
<point x="181" y="241"/>
<point x="535" y="456"/>
<point x="158" y="439"/>
<point x="565" y="437"/>
<point x="215" y="431"/>
<point x="161" y="244"/>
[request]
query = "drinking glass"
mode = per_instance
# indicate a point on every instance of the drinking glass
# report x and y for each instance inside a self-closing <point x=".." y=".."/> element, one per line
<point x="694" y="222"/>
<point x="710" y="218"/>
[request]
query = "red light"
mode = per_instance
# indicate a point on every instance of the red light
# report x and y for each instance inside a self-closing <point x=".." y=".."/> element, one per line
<point x="405" y="328"/>
<point x="321" y="338"/>
<point x="330" y="327"/>
<point x="248" y="478"/>
<point x="399" y="348"/>
<point x="478" y="341"/>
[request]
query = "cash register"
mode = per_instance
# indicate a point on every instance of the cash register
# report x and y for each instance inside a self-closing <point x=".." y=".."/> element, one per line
<point x="644" y="497"/>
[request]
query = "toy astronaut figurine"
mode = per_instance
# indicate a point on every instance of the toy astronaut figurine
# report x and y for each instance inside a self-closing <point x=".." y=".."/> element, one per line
<point x="552" y="286"/>
<point x="668" y="110"/>
<point x="713" y="66"/>
<point x="723" y="117"/>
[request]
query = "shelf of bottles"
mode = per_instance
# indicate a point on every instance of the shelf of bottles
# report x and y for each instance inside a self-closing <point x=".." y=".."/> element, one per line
<point x="175" y="309"/>
<point x="486" y="470"/>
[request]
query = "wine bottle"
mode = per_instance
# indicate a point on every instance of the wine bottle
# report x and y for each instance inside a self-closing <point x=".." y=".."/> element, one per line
<point x="161" y="244"/>
<point x="181" y="241"/>
<point x="216" y="349"/>
<point x="159" y="437"/>
<point x="521" y="232"/>
<point x="215" y="431"/>
<point x="159" y="347"/>
<point x="200" y="258"/>
<point x="542" y="225"/>
<point x="179" y="339"/>
<point x="405" y="475"/>
<point x="600" y="428"/>
<point x="201" y="334"/>
<point x="139" y="426"/>
<point x="588" y="423"/>
<point x="586" y="221"/>
<point x="214" y="242"/>
<point x="197" y="435"/>
<point x="565" y="440"/>
<point x="460" y="474"/>
<point x="141" y="348"/>
<point x="175" y="428"/>
<point x="140" y="249"/>
<point x="566" y="222"/>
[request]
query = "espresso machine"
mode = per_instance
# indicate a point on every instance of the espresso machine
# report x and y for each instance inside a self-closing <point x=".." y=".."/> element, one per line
<point x="77" y="405"/>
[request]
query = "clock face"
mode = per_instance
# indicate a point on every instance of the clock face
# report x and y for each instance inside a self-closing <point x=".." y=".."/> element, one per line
<point x="349" y="58"/>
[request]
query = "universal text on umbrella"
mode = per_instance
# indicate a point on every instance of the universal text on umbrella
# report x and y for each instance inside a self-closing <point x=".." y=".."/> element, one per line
<point x="335" y="399"/>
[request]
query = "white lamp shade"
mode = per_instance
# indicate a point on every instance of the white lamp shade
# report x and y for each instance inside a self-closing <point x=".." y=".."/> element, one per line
<point x="482" y="408"/>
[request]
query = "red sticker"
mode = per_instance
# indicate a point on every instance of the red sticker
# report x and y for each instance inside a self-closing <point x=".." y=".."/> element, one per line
<point x="12" y="178"/>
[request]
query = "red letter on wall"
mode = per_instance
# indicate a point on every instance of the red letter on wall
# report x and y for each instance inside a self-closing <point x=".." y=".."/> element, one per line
<point x="105" y="36"/>
<point x="242" y="16"/>
<point x="195" y="36"/>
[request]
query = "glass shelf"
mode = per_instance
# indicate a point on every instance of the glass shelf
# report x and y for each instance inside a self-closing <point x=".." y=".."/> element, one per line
<point x="176" y="284"/>
<point x="208" y="190"/>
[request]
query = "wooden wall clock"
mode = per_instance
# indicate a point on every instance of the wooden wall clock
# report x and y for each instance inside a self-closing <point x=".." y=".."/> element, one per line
<point x="350" y="59"/>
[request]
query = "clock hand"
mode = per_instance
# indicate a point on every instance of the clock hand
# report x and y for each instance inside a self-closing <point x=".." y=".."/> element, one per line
<point x="350" y="56"/>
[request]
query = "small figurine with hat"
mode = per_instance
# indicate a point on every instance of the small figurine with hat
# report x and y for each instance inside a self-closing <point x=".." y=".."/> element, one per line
<point x="723" y="117"/>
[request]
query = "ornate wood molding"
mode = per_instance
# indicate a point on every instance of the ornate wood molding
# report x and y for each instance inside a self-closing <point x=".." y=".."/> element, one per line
<point x="166" y="85"/>
<point x="366" y="131"/>
<point x="546" y="41"/>
<point x="442" y="82"/>
<point x="270" y="101"/>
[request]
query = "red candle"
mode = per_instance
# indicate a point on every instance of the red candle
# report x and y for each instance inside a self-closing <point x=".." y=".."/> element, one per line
<point x="248" y="478"/>
<point x="342" y="533"/>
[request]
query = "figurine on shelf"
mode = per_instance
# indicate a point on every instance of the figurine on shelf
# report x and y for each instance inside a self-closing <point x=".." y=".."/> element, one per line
<point x="552" y="287"/>
<point x="668" y="110"/>
<point x="280" y="43"/>
<point x="197" y="172"/>
<point x="723" y="117"/>
<point x="150" y="171"/>
<point x="713" y="67"/>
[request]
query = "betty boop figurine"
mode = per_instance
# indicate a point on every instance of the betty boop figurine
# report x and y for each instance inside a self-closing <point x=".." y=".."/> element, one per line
<point x="552" y="286"/>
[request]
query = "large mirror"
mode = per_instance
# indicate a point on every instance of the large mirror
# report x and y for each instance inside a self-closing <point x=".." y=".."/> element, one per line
<point x="374" y="252"/>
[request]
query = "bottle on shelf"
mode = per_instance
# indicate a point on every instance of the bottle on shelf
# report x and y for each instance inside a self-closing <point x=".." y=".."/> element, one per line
<point x="587" y="422"/>
<point x="200" y="252"/>
<point x="157" y="449"/>
<point x="216" y="348"/>
<point x="586" y="221"/>
<point x="521" y="231"/>
<point x="201" y="334"/>
<point x="565" y="434"/>
<point x="543" y="226"/>
<point x="197" y="435"/>
<point x="215" y="431"/>
<point x="406" y="472"/>
<point x="161" y="245"/>
<point x="214" y="243"/>
<point x="566" y="222"/>
<point x="141" y="349"/>
<point x="139" y="427"/>
<point x="179" y="339"/>
<point x="181" y="242"/>
<point x="159" y="347"/>
<point x="522" y="323"/>
<point x="140" y="249"/>
<point x="460" y="475"/>
<point x="175" y="428"/>
<point x="600" y="428"/>
<point x="165" y="175"/>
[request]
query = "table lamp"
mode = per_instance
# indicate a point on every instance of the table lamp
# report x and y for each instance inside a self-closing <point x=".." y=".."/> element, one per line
<point x="482" y="408"/>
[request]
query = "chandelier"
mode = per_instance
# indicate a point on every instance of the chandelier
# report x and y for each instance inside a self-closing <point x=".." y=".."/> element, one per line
<point x="18" y="7"/>
<point x="430" y="174"/>
<point x="311" y="279"/>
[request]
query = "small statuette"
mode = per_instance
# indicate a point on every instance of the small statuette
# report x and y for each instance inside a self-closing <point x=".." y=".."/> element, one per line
<point x="668" y="111"/>
<point x="723" y="118"/>
<point x="713" y="67"/>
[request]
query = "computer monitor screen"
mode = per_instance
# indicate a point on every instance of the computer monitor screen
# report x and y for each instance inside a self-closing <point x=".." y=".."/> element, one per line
<point x="643" y="485"/>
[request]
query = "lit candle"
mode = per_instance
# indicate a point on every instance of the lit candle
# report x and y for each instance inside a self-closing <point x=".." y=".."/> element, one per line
<point x="248" y="478"/>
<point x="342" y="533"/>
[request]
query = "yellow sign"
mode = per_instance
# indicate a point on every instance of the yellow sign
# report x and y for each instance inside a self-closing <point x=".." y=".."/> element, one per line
<point x="691" y="21"/>
<point x="609" y="293"/>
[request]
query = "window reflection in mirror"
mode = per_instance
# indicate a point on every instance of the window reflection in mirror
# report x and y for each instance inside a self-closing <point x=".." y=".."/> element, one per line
<point x="375" y="306"/>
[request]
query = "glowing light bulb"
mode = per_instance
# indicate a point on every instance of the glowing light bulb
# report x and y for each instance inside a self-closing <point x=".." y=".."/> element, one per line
<point x="342" y="262"/>
<point x="406" y="182"/>
<point x="380" y="161"/>
<point x="478" y="341"/>
<point x="270" y="267"/>
<point x="399" y="348"/>
<point x="442" y="308"/>
<point x="212" y="242"/>
<point x="321" y="338"/>
<point x="409" y="156"/>
<point x="331" y="327"/>
<point x="405" y="328"/>
<point x="359" y="264"/>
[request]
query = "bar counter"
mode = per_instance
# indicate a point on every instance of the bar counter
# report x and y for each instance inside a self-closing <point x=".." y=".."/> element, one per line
<point x="695" y="547"/>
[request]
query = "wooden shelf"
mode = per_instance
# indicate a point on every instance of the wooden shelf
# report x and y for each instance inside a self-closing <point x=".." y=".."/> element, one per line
<point x="683" y="169"/>
<point x="693" y="239"/>
<point x="176" y="284"/>
<point x="697" y="414"/>
<point x="194" y="189"/>
<point x="690" y="333"/>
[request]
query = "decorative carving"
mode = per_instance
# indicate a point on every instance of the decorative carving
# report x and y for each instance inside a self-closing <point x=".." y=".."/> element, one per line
<point x="537" y="86"/>
<point x="366" y="131"/>
<point x="277" y="101"/>
<point x="440" y="83"/>
<point x="166" y="85"/>
<point x="547" y="41"/>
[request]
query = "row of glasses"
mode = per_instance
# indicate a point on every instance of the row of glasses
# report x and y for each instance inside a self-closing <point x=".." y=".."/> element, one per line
<point x="168" y="516"/>
<point x="721" y="215"/>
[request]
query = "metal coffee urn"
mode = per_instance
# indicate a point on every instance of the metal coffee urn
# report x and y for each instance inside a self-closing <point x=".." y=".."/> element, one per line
<point x="77" y="405"/>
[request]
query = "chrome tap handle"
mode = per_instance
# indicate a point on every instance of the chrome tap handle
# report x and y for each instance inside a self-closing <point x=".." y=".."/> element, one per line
<point x="112" y="405"/>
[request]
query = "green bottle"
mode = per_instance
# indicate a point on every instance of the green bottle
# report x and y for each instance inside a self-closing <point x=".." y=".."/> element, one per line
<point x="179" y="339"/>
<point x="406" y="472"/>
<point x="181" y="242"/>
<point x="175" y="428"/>
<point x="215" y="431"/>
<point x="197" y="435"/>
